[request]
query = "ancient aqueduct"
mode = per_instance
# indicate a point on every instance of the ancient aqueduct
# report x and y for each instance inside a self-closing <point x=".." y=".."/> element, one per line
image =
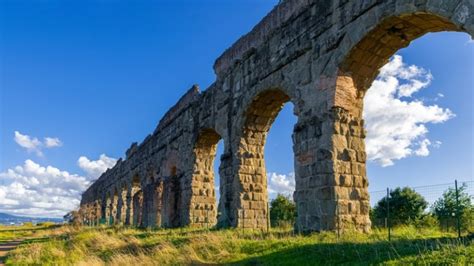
<point x="321" y="55"/>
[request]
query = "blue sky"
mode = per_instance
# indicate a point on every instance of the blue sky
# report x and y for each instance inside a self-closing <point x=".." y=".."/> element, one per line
<point x="99" y="75"/>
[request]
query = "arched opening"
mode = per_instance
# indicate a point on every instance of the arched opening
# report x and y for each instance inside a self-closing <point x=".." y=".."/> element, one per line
<point x="104" y="218"/>
<point x="361" y="66"/>
<point x="428" y="158"/>
<point x="137" y="208"/>
<point x="172" y="199"/>
<point x="253" y="211"/>
<point x="203" y="203"/>
<point x="365" y="60"/>
<point x="121" y="204"/>
<point x="136" y="202"/>
<point x="279" y="162"/>
<point x="218" y="184"/>
<point x="97" y="212"/>
<point x="357" y="73"/>
<point x="152" y="200"/>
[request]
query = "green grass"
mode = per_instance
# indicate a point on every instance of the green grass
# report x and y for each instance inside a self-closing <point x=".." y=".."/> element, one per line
<point x="124" y="246"/>
<point x="8" y="233"/>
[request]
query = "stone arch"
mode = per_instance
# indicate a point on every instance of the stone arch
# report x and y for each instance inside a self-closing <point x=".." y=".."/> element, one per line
<point x="152" y="199"/>
<point x="104" y="208"/>
<point x="252" y="203"/>
<point x="137" y="208"/>
<point x="121" y="191"/>
<point x="203" y="209"/>
<point x="134" y="202"/>
<point x="173" y="187"/>
<point x="357" y="70"/>
<point x="360" y="65"/>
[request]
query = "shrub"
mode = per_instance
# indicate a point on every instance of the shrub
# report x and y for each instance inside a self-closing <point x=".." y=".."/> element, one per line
<point x="45" y="224"/>
<point x="406" y="206"/>
<point x="427" y="221"/>
<point x="282" y="211"/>
<point x="446" y="208"/>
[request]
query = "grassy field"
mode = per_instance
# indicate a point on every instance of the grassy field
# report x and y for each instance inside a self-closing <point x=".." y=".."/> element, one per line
<point x="25" y="231"/>
<point x="67" y="245"/>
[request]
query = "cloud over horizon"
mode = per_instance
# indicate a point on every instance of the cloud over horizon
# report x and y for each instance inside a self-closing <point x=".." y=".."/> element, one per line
<point x="34" y="190"/>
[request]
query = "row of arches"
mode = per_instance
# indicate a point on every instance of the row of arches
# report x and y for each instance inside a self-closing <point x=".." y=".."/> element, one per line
<point x="124" y="205"/>
<point x="160" y="202"/>
<point x="328" y="145"/>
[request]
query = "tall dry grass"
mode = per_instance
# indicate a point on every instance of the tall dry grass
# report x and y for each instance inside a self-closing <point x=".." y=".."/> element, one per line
<point x="125" y="246"/>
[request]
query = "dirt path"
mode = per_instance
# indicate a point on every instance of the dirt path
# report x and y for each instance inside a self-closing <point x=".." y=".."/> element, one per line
<point x="7" y="247"/>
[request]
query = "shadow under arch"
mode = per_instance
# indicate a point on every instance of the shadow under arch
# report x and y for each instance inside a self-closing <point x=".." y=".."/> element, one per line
<point x="135" y="202"/>
<point x="172" y="198"/>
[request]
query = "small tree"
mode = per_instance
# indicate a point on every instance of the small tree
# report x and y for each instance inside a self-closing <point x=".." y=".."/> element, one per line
<point x="282" y="211"/>
<point x="445" y="208"/>
<point x="406" y="206"/>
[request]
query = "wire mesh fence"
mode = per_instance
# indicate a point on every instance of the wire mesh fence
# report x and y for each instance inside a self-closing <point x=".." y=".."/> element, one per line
<point x="448" y="207"/>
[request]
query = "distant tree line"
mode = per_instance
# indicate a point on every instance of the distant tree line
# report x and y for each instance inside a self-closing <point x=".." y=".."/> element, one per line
<point x="406" y="206"/>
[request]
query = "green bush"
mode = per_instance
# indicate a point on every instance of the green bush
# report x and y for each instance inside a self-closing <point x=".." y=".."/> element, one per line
<point x="406" y="206"/>
<point x="427" y="221"/>
<point x="446" y="209"/>
<point x="282" y="211"/>
<point x="45" y="224"/>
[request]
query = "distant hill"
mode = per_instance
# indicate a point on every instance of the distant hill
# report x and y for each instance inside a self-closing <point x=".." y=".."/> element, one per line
<point x="13" y="219"/>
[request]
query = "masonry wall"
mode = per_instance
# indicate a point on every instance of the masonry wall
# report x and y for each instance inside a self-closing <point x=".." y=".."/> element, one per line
<point x="321" y="56"/>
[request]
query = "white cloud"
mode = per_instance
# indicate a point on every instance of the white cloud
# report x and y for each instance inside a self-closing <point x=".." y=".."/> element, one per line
<point x="280" y="183"/>
<point x="96" y="168"/>
<point x="423" y="148"/>
<point x="34" y="190"/>
<point x="29" y="143"/>
<point x="396" y="121"/>
<point x="32" y="144"/>
<point x="52" y="142"/>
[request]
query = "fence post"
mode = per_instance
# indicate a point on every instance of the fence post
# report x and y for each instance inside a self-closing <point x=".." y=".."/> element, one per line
<point x="268" y="217"/>
<point x="388" y="214"/>
<point x="337" y="217"/>
<point x="243" y="221"/>
<point x="458" y="213"/>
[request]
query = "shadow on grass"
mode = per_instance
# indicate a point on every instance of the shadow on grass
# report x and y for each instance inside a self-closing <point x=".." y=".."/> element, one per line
<point x="351" y="253"/>
<point x="35" y="240"/>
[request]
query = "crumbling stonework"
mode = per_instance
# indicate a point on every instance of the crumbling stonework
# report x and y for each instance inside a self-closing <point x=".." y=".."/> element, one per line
<point x="320" y="55"/>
